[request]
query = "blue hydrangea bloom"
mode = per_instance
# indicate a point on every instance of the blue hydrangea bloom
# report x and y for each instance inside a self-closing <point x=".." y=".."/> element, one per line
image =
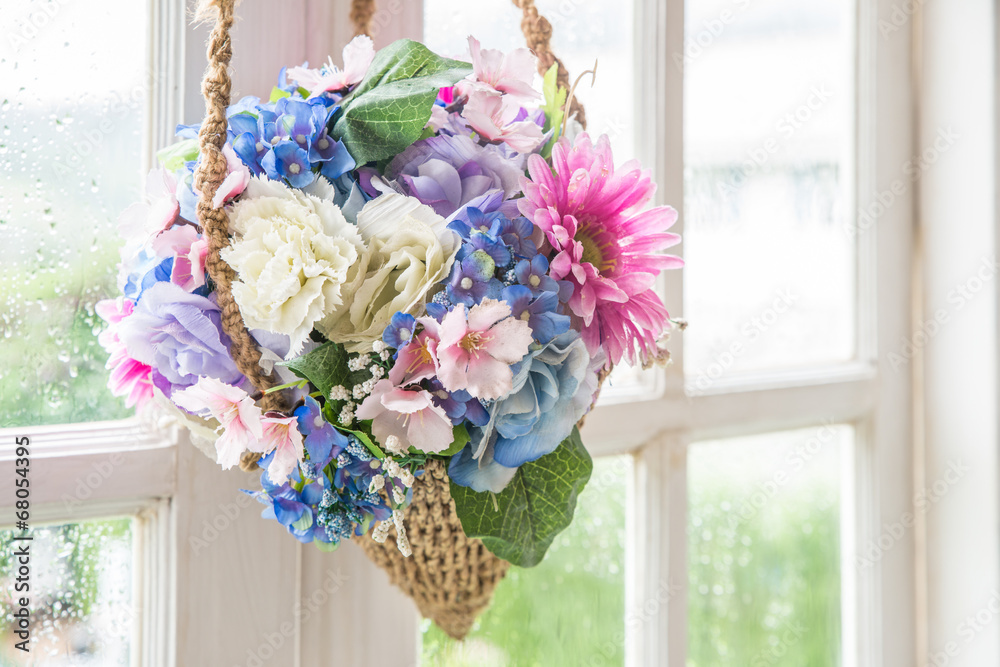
<point x="532" y="420"/>
<point x="541" y="312"/>
<point x="400" y="330"/>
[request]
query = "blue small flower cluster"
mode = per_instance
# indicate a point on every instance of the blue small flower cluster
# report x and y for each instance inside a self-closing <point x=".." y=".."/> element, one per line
<point x="499" y="259"/>
<point x="286" y="139"/>
<point x="331" y="496"/>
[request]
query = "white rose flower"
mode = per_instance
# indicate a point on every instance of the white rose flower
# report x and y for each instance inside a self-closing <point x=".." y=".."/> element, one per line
<point x="292" y="254"/>
<point x="409" y="250"/>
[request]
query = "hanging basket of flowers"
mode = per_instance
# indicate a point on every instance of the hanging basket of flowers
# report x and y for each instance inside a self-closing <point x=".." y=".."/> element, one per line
<point x="395" y="288"/>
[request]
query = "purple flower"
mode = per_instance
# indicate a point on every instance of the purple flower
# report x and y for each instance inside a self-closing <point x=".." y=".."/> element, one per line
<point x="322" y="441"/>
<point x="471" y="278"/>
<point x="458" y="405"/>
<point x="540" y="313"/>
<point x="400" y="330"/>
<point x="534" y="274"/>
<point x="290" y="162"/>
<point x="446" y="172"/>
<point x="180" y="336"/>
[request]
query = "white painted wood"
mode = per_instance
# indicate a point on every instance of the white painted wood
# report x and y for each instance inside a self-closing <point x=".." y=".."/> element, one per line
<point x="959" y="227"/>
<point x="236" y="576"/>
<point x="353" y="612"/>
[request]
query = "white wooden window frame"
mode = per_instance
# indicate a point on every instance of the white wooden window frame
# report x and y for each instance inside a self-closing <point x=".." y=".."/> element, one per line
<point x="248" y="591"/>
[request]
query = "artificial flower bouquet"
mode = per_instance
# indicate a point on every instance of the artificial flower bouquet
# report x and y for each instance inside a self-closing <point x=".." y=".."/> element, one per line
<point x="433" y="262"/>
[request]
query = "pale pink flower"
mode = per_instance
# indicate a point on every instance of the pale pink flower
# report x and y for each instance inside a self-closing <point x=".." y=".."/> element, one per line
<point x="493" y="116"/>
<point x="410" y="415"/>
<point x="236" y="412"/>
<point x="475" y="352"/>
<point x="606" y="244"/>
<point x="158" y="210"/>
<point x="129" y="377"/>
<point x="358" y="55"/>
<point x="282" y="436"/>
<point x="492" y="70"/>
<point x="417" y="360"/>
<point x="235" y="182"/>
<point x="189" y="250"/>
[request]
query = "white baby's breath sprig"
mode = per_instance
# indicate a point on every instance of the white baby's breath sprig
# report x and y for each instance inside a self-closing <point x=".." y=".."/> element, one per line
<point x="401" y="542"/>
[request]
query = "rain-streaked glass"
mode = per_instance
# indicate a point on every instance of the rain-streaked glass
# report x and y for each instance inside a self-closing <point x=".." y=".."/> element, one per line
<point x="81" y="600"/>
<point x="764" y="573"/>
<point x="72" y="108"/>
<point x="769" y="238"/>
<point x="570" y="609"/>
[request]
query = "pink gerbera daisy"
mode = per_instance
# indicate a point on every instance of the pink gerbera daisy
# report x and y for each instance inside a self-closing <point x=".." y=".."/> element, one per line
<point x="606" y="245"/>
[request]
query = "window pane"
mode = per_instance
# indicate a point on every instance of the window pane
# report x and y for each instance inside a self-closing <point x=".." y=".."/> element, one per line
<point x="764" y="549"/>
<point x="568" y="610"/>
<point x="769" y="280"/>
<point x="81" y="600"/>
<point x="73" y="106"/>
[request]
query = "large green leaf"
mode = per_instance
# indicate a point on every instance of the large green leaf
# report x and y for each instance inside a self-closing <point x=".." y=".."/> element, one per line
<point x="555" y="100"/>
<point x="390" y="107"/>
<point x="535" y="507"/>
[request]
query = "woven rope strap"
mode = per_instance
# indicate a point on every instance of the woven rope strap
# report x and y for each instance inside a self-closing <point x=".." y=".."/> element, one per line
<point x="449" y="576"/>
<point x="216" y="87"/>
<point x="538" y="36"/>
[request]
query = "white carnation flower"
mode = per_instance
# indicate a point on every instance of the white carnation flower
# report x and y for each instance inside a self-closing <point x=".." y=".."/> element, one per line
<point x="293" y="254"/>
<point x="409" y="249"/>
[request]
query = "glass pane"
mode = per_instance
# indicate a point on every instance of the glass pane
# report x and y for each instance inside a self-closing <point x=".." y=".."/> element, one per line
<point x="73" y="106"/>
<point x="81" y="600"/>
<point x="764" y="549"/>
<point x="581" y="33"/>
<point x="567" y="610"/>
<point x="769" y="242"/>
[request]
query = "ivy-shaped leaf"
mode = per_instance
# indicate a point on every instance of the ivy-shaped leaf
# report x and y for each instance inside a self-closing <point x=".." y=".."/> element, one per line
<point x="535" y="507"/>
<point x="390" y="107"/>
<point x="174" y="156"/>
<point x="325" y="367"/>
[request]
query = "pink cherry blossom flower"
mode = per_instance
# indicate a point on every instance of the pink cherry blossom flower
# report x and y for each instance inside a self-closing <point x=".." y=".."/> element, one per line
<point x="235" y="182"/>
<point x="282" y="436"/>
<point x="606" y="245"/>
<point x="236" y="412"/>
<point x="417" y="360"/>
<point x="475" y="352"/>
<point x="157" y="212"/>
<point x="358" y="55"/>
<point x="408" y="414"/>
<point x="492" y="70"/>
<point x="189" y="251"/>
<point x="129" y="377"/>
<point x="493" y="116"/>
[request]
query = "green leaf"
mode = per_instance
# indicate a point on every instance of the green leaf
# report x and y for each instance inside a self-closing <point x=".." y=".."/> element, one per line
<point x="326" y="547"/>
<point x="555" y="103"/>
<point x="390" y="107"/>
<point x="325" y="367"/>
<point x="535" y="507"/>
<point x="278" y="93"/>
<point x="173" y="157"/>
